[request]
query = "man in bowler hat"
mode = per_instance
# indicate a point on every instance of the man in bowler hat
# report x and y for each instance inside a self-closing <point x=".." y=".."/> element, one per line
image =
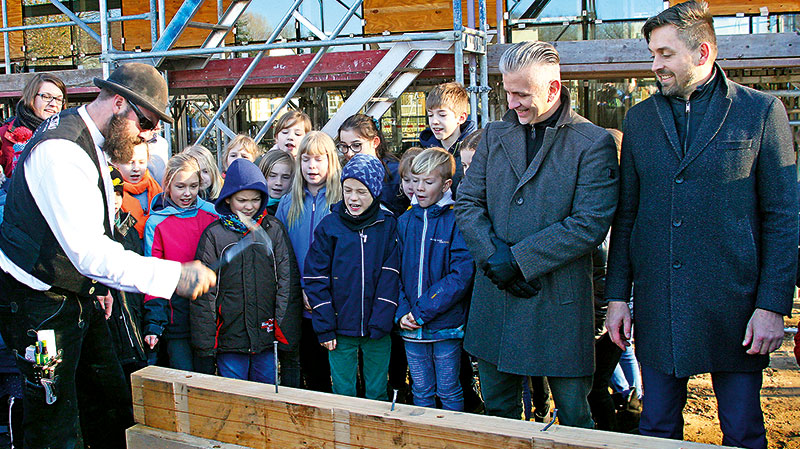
<point x="58" y="259"/>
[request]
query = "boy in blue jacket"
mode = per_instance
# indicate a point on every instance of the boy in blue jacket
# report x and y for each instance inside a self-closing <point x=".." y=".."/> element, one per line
<point x="352" y="280"/>
<point x="436" y="274"/>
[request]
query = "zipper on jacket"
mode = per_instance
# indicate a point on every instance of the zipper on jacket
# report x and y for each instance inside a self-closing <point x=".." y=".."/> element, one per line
<point x="313" y="210"/>
<point x="362" y="239"/>
<point x="125" y="322"/>
<point x="688" y="124"/>
<point x="422" y="252"/>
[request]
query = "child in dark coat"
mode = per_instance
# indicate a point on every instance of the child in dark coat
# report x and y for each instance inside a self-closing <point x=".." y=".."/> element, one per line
<point x="257" y="297"/>
<point x="352" y="280"/>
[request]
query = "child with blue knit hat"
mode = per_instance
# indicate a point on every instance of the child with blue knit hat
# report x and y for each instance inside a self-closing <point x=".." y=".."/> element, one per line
<point x="257" y="299"/>
<point x="352" y="280"/>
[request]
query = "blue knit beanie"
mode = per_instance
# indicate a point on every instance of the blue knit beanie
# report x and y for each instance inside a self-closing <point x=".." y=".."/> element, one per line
<point x="366" y="169"/>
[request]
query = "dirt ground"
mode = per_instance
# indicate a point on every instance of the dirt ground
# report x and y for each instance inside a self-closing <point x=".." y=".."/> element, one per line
<point x="780" y="400"/>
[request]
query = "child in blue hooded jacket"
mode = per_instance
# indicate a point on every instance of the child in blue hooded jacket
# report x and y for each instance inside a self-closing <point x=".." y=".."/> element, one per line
<point x="436" y="274"/>
<point x="352" y="280"/>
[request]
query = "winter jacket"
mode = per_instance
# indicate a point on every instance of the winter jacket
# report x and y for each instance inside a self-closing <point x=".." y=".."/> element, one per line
<point x="436" y="271"/>
<point x="131" y="204"/>
<point x="391" y="196"/>
<point x="125" y="322"/>
<point x="352" y="279"/>
<point x="428" y="140"/>
<point x="254" y="292"/>
<point x="257" y="298"/>
<point x="13" y="138"/>
<point x="172" y="233"/>
<point x="301" y="232"/>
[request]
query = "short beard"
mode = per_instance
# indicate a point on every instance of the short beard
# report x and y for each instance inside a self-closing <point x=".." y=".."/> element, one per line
<point x="118" y="145"/>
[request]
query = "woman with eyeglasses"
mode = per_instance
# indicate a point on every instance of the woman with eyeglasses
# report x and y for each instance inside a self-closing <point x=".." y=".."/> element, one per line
<point x="44" y="95"/>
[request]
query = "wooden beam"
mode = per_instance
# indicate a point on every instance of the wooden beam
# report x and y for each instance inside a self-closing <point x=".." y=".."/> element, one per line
<point x="253" y="415"/>
<point x="403" y="16"/>
<point x="731" y="7"/>
<point x="143" y="437"/>
<point x="77" y="81"/>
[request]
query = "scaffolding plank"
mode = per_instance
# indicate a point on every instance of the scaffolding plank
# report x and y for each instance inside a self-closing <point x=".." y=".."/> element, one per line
<point x="253" y="415"/>
<point x="137" y="32"/>
<point x="143" y="437"/>
<point x="730" y="7"/>
<point x="401" y="16"/>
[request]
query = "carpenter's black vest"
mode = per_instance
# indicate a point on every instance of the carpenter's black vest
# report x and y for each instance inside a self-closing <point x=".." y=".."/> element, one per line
<point x="25" y="237"/>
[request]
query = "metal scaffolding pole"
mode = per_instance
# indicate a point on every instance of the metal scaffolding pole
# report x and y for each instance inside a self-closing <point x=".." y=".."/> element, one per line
<point x="6" y="52"/>
<point x="239" y="84"/>
<point x="153" y="23"/>
<point x="309" y="68"/>
<point x="162" y="18"/>
<point x="440" y="35"/>
<point x="501" y="34"/>
<point x="41" y="26"/>
<point x="484" y="64"/>
<point x="105" y="37"/>
<point x="473" y="78"/>
<point x="459" y="47"/>
<point x="80" y="23"/>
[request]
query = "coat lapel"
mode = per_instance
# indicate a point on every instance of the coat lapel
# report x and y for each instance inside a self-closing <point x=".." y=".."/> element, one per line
<point x="718" y="109"/>
<point x="547" y="143"/>
<point x="668" y="124"/>
<point x="513" y="143"/>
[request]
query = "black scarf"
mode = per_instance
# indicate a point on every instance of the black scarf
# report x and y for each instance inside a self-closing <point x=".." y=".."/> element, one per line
<point x="357" y="223"/>
<point x="26" y="117"/>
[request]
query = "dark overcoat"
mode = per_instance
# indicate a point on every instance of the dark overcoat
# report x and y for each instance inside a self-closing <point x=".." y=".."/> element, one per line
<point x="707" y="237"/>
<point x="554" y="213"/>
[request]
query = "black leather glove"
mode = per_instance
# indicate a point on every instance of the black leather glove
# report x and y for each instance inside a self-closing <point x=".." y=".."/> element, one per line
<point x="500" y="267"/>
<point x="522" y="289"/>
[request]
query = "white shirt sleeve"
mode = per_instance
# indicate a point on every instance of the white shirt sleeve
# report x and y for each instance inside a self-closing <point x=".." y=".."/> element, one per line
<point x="63" y="181"/>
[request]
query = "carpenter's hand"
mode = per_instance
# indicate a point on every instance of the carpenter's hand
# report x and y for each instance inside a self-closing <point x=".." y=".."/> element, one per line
<point x="329" y="345"/>
<point x="500" y="267"/>
<point x="106" y="302"/>
<point x="151" y="340"/>
<point x="195" y="279"/>
<point x="764" y="332"/>
<point x="407" y="322"/>
<point x="305" y="302"/>
<point x="618" y="323"/>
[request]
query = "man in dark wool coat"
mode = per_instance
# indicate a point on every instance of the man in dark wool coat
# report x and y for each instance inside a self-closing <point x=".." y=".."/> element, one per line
<point x="706" y="230"/>
<point x="538" y="198"/>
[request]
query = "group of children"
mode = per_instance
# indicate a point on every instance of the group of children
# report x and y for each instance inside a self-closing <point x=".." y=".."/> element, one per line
<point x="316" y="248"/>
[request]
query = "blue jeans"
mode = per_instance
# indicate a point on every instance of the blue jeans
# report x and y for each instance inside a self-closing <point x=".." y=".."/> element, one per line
<point x="434" y="371"/>
<point x="256" y="367"/>
<point x="627" y="375"/>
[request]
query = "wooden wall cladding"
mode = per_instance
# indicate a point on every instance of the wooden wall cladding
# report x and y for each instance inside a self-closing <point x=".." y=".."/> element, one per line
<point x="15" y="39"/>
<point x="731" y="7"/>
<point x="400" y="16"/>
<point x="137" y="32"/>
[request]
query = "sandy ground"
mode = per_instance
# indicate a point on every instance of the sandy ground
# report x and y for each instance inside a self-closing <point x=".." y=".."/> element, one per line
<point x="780" y="400"/>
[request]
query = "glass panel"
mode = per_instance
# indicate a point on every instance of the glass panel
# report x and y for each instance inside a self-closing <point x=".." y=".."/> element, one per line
<point x="262" y="16"/>
<point x="732" y="25"/>
<point x="561" y="8"/>
<point x="628" y="9"/>
<point x="619" y="30"/>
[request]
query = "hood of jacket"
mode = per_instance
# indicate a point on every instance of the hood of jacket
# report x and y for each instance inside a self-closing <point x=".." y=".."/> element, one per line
<point x="427" y="139"/>
<point x="444" y="204"/>
<point x="242" y="175"/>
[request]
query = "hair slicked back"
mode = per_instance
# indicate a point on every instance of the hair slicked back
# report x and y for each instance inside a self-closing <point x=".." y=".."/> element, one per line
<point x="525" y="54"/>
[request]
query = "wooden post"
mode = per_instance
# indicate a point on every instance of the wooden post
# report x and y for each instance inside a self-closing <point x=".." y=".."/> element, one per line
<point x="252" y="415"/>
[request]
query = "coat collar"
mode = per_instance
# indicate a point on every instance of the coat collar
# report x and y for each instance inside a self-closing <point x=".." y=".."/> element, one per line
<point x="718" y="108"/>
<point x="513" y="140"/>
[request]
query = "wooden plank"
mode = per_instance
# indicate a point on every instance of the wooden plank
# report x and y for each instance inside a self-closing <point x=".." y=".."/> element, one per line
<point x="76" y="80"/>
<point x="143" y="437"/>
<point x="137" y="32"/>
<point x="253" y="415"/>
<point x="16" y="39"/>
<point x="731" y="7"/>
<point x="401" y="16"/>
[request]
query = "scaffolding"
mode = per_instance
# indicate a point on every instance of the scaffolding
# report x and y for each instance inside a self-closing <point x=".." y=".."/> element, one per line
<point x="470" y="41"/>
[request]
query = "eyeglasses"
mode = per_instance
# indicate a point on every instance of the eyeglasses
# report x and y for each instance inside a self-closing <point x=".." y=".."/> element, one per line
<point x="145" y="124"/>
<point x="47" y="98"/>
<point x="344" y="149"/>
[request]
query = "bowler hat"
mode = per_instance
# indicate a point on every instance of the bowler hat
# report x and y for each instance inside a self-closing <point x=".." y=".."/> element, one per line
<point x="141" y="84"/>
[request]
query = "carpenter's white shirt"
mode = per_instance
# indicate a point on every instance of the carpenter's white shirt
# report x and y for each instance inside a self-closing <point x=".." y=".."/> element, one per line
<point x="63" y="181"/>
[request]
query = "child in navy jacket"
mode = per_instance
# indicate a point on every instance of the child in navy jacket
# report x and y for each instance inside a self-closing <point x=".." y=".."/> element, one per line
<point x="352" y="280"/>
<point x="436" y="274"/>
